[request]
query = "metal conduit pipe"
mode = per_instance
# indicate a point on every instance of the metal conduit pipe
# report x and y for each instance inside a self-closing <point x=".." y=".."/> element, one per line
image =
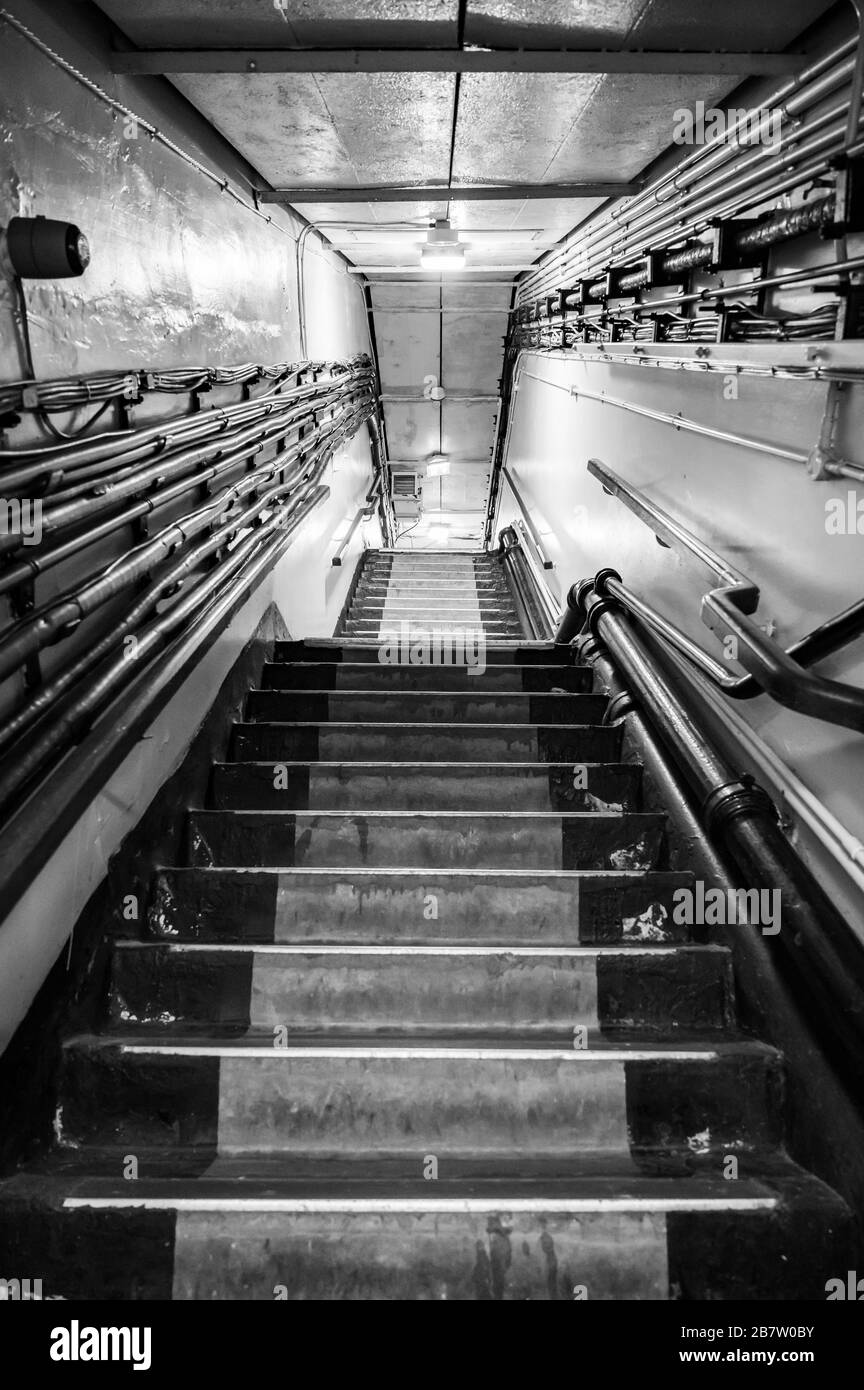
<point x="783" y="227"/>
<point x="826" y="958"/>
<point x="32" y="463"/>
<point x="133" y="621"/>
<point x="701" y="201"/>
<point x="793" y="96"/>
<point x="682" y="422"/>
<point x="599" y="243"/>
<point x="795" y="277"/>
<point x="169" y="466"/>
<point x="22" y="764"/>
<point x="270" y="420"/>
<point x="815" y="83"/>
<point x="22" y="768"/>
<point x="105" y="442"/>
<point x="70" y="724"/>
<point x="28" y="570"/>
<point x="47" y="626"/>
<point x="712" y="210"/>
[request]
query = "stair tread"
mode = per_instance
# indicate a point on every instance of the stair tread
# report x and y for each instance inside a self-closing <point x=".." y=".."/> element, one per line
<point x="569" y="1193"/>
<point x="347" y="949"/>
<point x="332" y="813"/>
<point x="261" y="1045"/>
<point x="677" y="876"/>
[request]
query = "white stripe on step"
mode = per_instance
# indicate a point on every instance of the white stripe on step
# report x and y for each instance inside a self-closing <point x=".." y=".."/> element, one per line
<point x="383" y="1206"/>
<point x="421" y="1053"/>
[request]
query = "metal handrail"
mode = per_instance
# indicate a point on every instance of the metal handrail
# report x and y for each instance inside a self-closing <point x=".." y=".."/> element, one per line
<point x="727" y="609"/>
<point x="738" y="818"/>
<point x="533" y="599"/>
<point x="529" y="524"/>
<point x="362" y="514"/>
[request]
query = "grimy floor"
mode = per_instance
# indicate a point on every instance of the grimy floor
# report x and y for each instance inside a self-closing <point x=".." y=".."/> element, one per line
<point x="415" y="1019"/>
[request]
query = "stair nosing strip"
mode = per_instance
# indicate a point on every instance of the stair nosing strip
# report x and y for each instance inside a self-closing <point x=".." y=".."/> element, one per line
<point x="430" y="1205"/>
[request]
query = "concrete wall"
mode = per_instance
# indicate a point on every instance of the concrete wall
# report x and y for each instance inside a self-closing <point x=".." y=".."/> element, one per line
<point x="763" y="513"/>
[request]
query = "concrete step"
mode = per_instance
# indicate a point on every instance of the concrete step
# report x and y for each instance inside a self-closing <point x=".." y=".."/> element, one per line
<point x="338" y="649"/>
<point x="406" y="621"/>
<point x="416" y="588"/>
<point x="244" y="1229"/>
<point x="431" y="609"/>
<point x="415" y="839"/>
<point x="426" y="706"/>
<point x="432" y="593"/>
<point x="415" y="990"/>
<point x="419" y="906"/>
<point x="285" y="1094"/>
<point x="434" y="617"/>
<point x="408" y="675"/>
<point x="371" y="629"/>
<point x="425" y="742"/>
<point x="425" y="786"/>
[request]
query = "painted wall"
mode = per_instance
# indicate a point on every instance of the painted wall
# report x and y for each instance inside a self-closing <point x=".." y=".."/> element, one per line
<point x="182" y="274"/>
<point x="763" y="513"/>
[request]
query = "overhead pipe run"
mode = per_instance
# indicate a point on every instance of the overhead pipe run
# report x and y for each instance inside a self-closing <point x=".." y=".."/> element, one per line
<point x="640" y="223"/>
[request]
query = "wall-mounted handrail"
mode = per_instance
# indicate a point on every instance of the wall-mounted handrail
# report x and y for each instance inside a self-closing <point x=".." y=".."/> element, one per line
<point x="529" y="524"/>
<point x="829" y="637"/>
<point x="726" y="610"/>
<point x="533" y="600"/>
<point x="362" y="514"/>
<point x="826" y="957"/>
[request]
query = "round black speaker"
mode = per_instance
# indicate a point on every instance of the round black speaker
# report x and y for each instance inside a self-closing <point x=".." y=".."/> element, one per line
<point x="41" y="248"/>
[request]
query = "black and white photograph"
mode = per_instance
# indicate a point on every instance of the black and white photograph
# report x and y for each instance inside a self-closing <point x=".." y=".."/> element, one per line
<point x="431" y="675"/>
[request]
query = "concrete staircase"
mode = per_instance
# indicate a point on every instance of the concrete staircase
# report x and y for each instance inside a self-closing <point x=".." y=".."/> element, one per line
<point x="415" y="1019"/>
<point x="431" y="592"/>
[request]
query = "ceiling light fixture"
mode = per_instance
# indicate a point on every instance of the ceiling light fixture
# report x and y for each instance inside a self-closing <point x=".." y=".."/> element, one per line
<point x="443" y="249"/>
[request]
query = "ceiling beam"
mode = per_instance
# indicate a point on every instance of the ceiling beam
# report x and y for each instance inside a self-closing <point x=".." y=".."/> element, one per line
<point x="273" y="60"/>
<point x="440" y="193"/>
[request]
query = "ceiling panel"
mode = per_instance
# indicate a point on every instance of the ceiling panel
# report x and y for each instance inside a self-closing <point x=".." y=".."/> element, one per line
<point x="262" y="24"/>
<point x="553" y="24"/>
<point x="472" y="348"/>
<point x="335" y="128"/>
<point x="466" y="431"/>
<point x="606" y="142"/>
<point x="738" y="25"/>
